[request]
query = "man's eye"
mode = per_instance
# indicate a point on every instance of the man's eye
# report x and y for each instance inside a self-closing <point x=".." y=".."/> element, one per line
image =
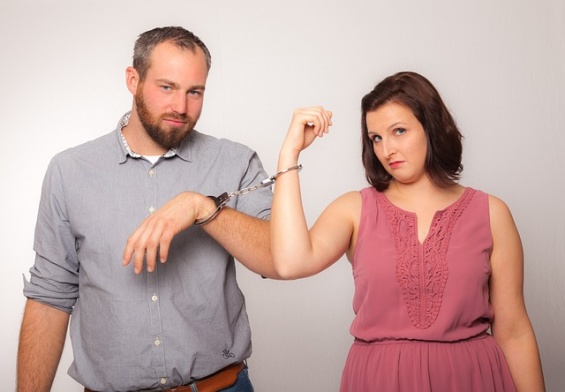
<point x="195" y="93"/>
<point x="166" y="88"/>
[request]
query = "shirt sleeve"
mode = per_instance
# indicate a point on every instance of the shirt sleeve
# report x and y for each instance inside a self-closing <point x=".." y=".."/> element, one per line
<point x="256" y="203"/>
<point x="54" y="275"/>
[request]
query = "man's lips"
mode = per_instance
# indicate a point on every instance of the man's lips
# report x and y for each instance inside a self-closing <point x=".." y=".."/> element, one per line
<point x="174" y="121"/>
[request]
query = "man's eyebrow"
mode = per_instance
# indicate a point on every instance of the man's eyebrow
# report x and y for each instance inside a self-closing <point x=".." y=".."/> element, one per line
<point x="198" y="87"/>
<point x="176" y="85"/>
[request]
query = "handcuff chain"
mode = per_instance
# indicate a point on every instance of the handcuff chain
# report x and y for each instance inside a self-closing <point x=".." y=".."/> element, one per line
<point x="224" y="198"/>
<point x="267" y="182"/>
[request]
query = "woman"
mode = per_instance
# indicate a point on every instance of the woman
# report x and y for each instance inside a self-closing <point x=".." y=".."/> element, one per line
<point x="435" y="264"/>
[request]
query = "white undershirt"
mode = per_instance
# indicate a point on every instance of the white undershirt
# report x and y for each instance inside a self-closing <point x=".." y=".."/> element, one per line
<point x="152" y="158"/>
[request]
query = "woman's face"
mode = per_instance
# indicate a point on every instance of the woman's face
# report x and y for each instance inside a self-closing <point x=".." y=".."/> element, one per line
<point x="399" y="142"/>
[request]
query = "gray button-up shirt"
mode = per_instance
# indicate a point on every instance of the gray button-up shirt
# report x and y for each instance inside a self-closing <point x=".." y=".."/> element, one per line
<point x="183" y="321"/>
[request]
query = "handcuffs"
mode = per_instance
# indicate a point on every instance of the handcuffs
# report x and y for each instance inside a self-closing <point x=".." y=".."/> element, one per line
<point x="225" y="197"/>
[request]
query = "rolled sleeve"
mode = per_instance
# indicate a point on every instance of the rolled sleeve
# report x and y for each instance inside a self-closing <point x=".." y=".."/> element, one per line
<point x="54" y="275"/>
<point x="256" y="203"/>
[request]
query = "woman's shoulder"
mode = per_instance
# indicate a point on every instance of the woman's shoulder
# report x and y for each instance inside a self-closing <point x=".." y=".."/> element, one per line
<point x="496" y="206"/>
<point x="499" y="210"/>
<point x="348" y="204"/>
<point x="349" y="199"/>
<point x="495" y="203"/>
<point x="500" y="216"/>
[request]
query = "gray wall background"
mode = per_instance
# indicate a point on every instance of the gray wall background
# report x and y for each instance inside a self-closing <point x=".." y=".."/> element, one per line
<point x="500" y="66"/>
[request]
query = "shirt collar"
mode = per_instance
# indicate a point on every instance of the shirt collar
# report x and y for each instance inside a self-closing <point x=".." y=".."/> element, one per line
<point x="123" y="122"/>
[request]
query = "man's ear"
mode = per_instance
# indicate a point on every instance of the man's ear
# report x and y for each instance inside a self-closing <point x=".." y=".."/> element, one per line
<point x="132" y="79"/>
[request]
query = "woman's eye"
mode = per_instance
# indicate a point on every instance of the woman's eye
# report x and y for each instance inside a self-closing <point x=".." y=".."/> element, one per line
<point x="376" y="138"/>
<point x="400" y="131"/>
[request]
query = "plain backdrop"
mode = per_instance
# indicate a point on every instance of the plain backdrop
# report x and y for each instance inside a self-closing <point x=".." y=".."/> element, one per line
<point x="499" y="65"/>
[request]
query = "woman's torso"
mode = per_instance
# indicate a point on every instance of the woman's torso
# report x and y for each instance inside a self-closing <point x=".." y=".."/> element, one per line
<point x="436" y="290"/>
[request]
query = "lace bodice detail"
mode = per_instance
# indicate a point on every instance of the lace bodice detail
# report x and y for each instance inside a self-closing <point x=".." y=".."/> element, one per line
<point x="421" y="269"/>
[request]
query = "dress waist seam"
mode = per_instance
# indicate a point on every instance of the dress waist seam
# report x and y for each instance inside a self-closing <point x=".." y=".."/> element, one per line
<point x="362" y="342"/>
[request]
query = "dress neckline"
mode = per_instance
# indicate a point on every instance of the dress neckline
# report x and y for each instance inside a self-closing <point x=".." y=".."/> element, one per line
<point x="438" y="215"/>
<point x="448" y="207"/>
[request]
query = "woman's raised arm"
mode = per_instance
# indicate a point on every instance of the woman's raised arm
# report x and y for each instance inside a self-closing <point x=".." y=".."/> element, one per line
<point x="297" y="251"/>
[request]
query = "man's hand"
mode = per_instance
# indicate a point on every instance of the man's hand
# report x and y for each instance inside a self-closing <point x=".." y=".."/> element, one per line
<point x="153" y="237"/>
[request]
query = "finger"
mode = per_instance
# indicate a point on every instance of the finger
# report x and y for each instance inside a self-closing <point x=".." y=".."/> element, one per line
<point x="152" y="245"/>
<point x="138" y="256"/>
<point x="126" y="258"/>
<point x="150" y="257"/>
<point x="320" y="120"/>
<point x="314" y="126"/>
<point x="141" y="245"/>
<point x="327" y="116"/>
<point x="165" y="244"/>
<point x="130" y="245"/>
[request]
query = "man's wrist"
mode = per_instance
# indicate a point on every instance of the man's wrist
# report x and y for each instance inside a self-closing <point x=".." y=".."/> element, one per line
<point x="219" y="203"/>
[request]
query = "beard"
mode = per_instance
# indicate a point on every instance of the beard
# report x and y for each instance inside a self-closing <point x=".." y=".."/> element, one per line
<point x="171" y="138"/>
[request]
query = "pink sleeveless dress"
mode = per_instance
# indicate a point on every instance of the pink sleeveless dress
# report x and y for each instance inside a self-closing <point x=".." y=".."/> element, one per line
<point x="422" y="310"/>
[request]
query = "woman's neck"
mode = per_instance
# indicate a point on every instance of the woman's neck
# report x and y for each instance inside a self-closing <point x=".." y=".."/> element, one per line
<point x="422" y="195"/>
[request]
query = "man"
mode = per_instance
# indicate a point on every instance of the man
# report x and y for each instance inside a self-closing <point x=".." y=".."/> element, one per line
<point x="181" y="320"/>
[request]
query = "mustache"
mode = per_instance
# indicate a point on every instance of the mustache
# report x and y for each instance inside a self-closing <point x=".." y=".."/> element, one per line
<point x="176" y="116"/>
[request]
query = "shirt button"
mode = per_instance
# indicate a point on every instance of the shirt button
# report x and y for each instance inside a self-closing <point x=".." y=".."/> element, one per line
<point x="151" y="172"/>
<point x="163" y="380"/>
<point x="157" y="342"/>
<point x="154" y="298"/>
<point x="151" y="209"/>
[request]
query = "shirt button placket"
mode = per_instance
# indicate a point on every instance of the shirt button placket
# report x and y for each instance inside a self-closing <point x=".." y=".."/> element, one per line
<point x="153" y="188"/>
<point x="157" y="343"/>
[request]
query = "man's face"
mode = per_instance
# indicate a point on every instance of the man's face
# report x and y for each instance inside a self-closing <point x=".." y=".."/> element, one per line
<point x="169" y="100"/>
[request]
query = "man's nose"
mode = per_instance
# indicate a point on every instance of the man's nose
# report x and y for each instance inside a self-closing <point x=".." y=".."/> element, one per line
<point x="180" y="103"/>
